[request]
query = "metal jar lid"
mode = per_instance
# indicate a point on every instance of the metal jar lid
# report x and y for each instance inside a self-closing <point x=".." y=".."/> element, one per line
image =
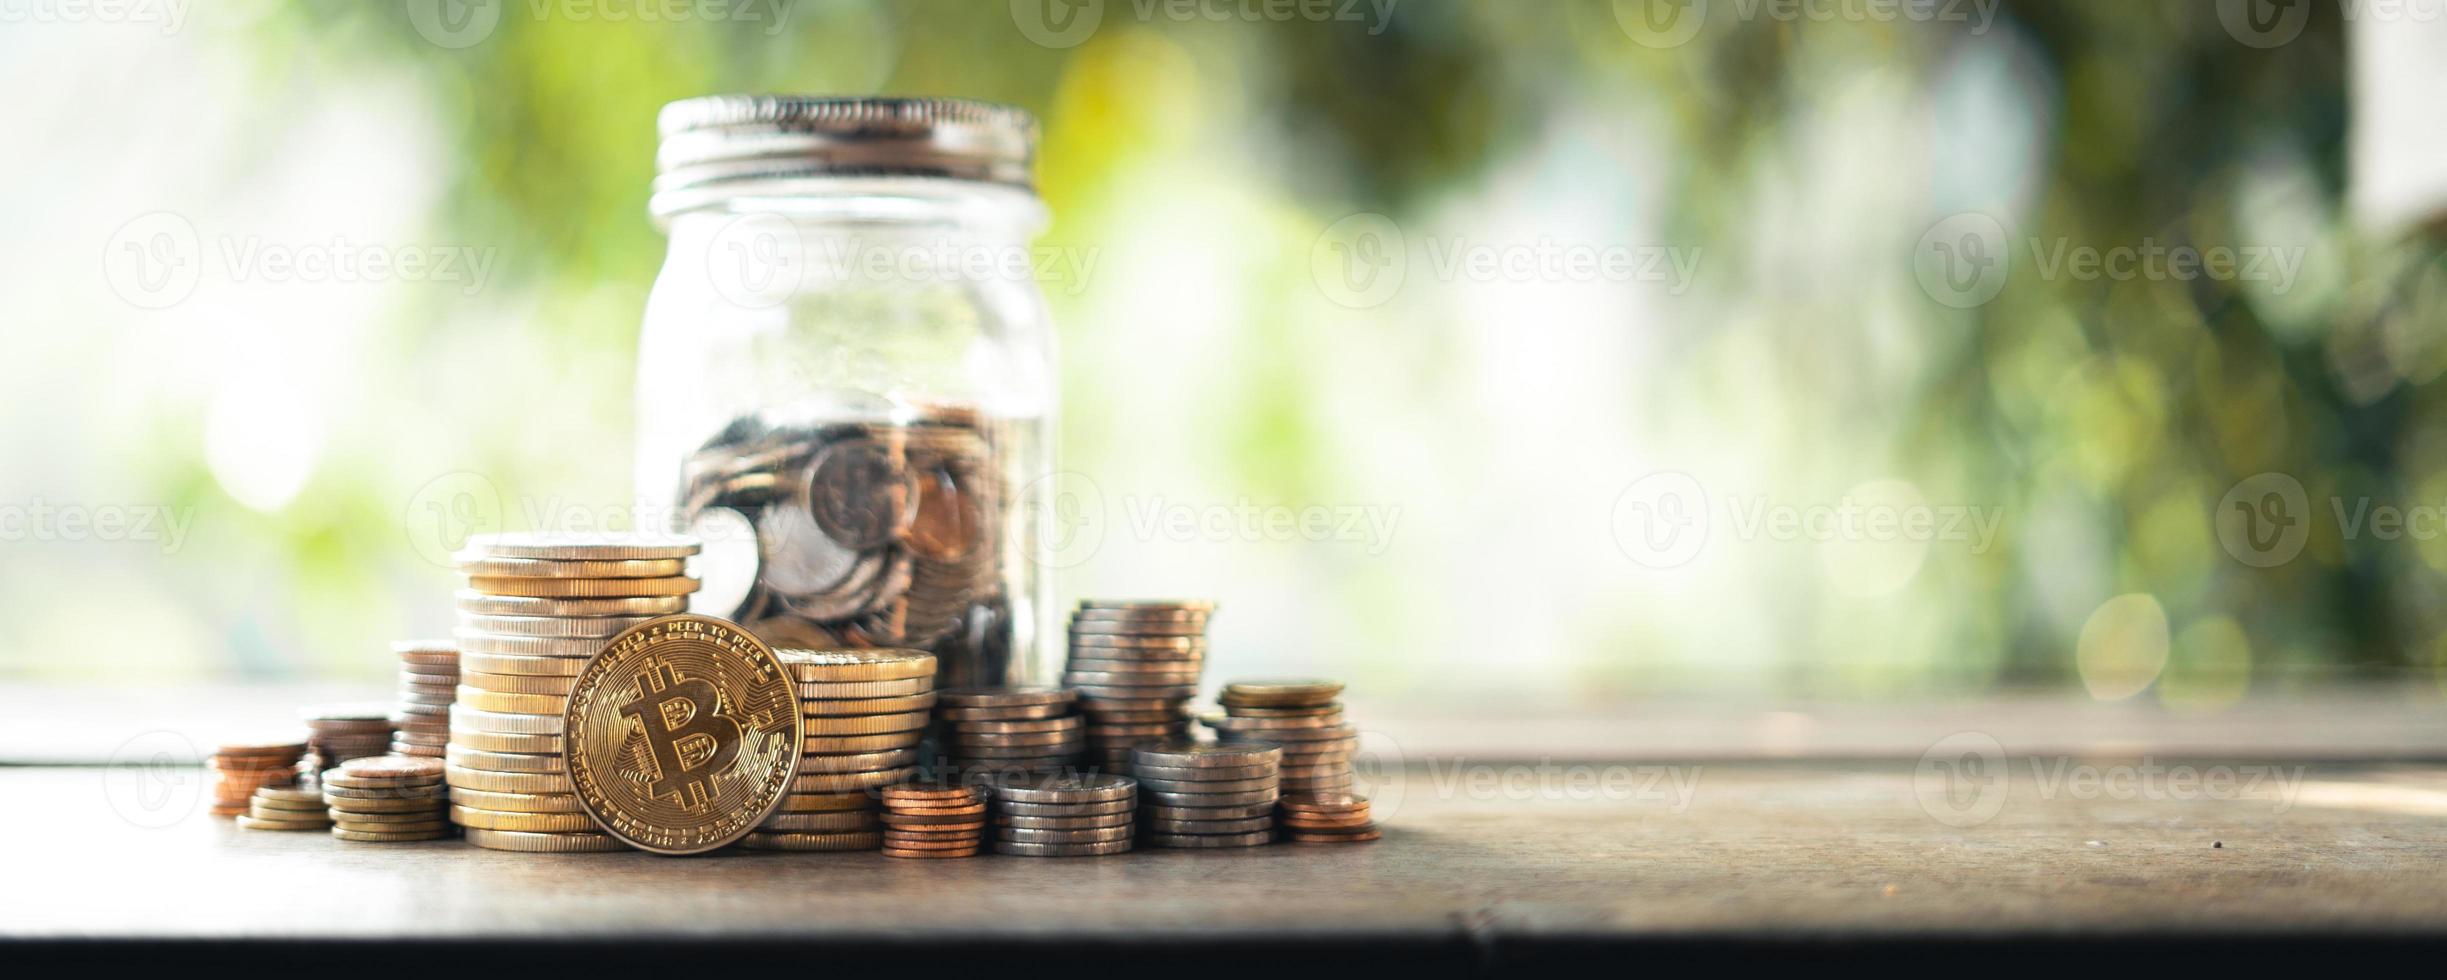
<point x="719" y="140"/>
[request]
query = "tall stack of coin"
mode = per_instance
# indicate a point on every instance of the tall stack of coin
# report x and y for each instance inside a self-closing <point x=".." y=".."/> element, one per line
<point x="933" y="820"/>
<point x="865" y="712"/>
<point x="240" y="767"/>
<point x="1335" y="819"/>
<point x="428" y="683"/>
<point x="1201" y="794"/>
<point x="536" y="607"/>
<point x="341" y="732"/>
<point x="387" y="799"/>
<point x="1063" y="816"/>
<point x="286" y="808"/>
<point x="990" y="732"/>
<point x="1304" y="718"/>
<point x="1135" y="664"/>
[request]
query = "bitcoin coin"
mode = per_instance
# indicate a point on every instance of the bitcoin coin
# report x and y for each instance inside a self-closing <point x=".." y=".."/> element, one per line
<point x="683" y="734"/>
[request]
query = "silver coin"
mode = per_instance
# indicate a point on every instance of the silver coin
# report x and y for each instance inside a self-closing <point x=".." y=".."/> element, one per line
<point x="1117" y="819"/>
<point x="796" y="557"/>
<point x="1065" y="789"/>
<point x="1090" y="835"/>
<point x="1191" y="605"/>
<point x="1209" y="840"/>
<point x="579" y="547"/>
<point x="729" y="566"/>
<point x="1242" y="826"/>
<point x="1206" y="755"/>
<point x="1266" y="782"/>
<point x="1102" y="808"/>
<point x="1181" y="691"/>
<point x="1109" y="628"/>
<point x="1212" y="772"/>
<point x="1158" y="811"/>
<point x="1004" y="697"/>
<point x="1250" y="798"/>
<point x="1060" y="850"/>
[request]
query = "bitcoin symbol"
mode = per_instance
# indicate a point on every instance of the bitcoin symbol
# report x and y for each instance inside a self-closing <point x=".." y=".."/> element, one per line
<point x="689" y="740"/>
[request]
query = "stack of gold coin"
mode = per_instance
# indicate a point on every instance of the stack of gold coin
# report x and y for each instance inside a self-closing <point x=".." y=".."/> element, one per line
<point x="1076" y="815"/>
<point x="387" y="799"/>
<point x="428" y="683"/>
<point x="865" y="712"/>
<point x="341" y="732"/>
<point x="286" y="808"/>
<point x="1135" y="664"/>
<point x="1304" y="718"/>
<point x="535" y="609"/>
<point x="240" y="767"/>
<point x="1335" y="819"/>
<point x="1201" y="794"/>
<point x="994" y="732"/>
<point x="933" y="820"/>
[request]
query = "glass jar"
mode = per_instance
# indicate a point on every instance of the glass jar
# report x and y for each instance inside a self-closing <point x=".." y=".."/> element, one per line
<point x="846" y="376"/>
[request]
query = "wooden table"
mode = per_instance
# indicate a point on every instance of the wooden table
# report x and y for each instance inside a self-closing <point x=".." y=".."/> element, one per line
<point x="1622" y="866"/>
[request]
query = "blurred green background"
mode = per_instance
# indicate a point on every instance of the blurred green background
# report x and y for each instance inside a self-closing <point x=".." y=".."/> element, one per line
<point x="1771" y="191"/>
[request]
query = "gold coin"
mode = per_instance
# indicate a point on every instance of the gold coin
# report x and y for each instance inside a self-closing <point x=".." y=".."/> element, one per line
<point x="852" y="690"/>
<point x="250" y="821"/>
<point x="683" y="734"/>
<point x="512" y="684"/>
<point x="560" y="627"/>
<point x="867" y="724"/>
<point x="516" y="802"/>
<point x="845" y="744"/>
<point x="838" y="666"/>
<point x="476" y="641"/>
<point x="904" y="852"/>
<point x="521" y="665"/>
<point x="362" y="807"/>
<point x="536" y="704"/>
<point x="868" y="706"/>
<point x="825" y="802"/>
<point x="379" y="838"/>
<point x="491" y="742"/>
<point x="571" y="843"/>
<point x="467" y="758"/>
<point x="835" y="820"/>
<point x="464" y="718"/>
<point x="510" y="782"/>
<point x="577" y="547"/>
<point x="858" y="761"/>
<point x="865" y="840"/>
<point x="573" y="568"/>
<point x="478" y="603"/>
<point x="540" y="823"/>
<point x="582" y="588"/>
<point x="836" y="782"/>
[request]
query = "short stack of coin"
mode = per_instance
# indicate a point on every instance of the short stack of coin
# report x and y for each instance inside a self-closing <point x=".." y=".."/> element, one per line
<point x="341" y="732"/>
<point x="933" y="820"/>
<point x="865" y="712"/>
<point x="994" y="732"/>
<point x="1201" y="794"/>
<point x="1135" y="665"/>
<point x="1304" y="718"/>
<point x="535" y="609"/>
<point x="387" y="799"/>
<point x="428" y="683"/>
<point x="286" y="808"/>
<point x="239" y="768"/>
<point x="1063" y="816"/>
<point x="1336" y="819"/>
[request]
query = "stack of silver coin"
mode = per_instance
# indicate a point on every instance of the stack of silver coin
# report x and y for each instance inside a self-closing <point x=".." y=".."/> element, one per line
<point x="995" y="732"/>
<point x="1063" y="816"/>
<point x="535" y="609"/>
<point x="865" y="712"/>
<point x="1135" y="664"/>
<point x="340" y="732"/>
<point x="1302" y="716"/>
<point x="1201" y="794"/>
<point x="428" y="683"/>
